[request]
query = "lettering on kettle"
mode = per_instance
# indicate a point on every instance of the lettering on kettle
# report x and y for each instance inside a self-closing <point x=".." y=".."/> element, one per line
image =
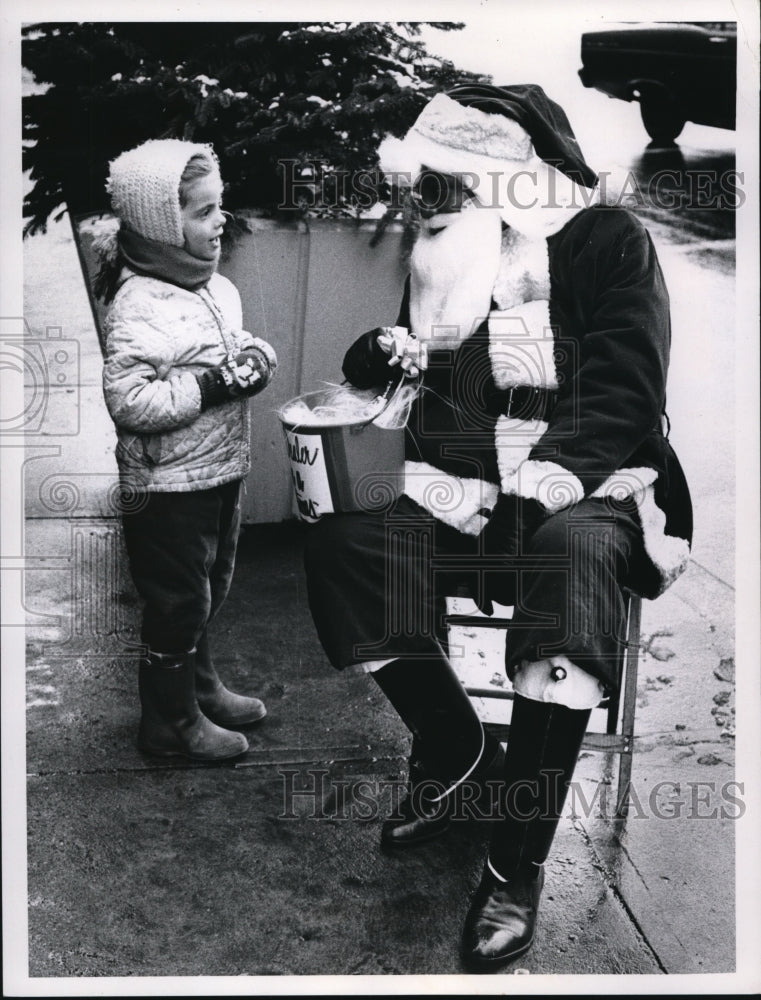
<point x="300" y="453"/>
<point x="309" y="475"/>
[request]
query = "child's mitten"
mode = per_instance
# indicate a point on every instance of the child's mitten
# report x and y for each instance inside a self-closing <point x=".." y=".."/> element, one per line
<point x="267" y="350"/>
<point x="242" y="374"/>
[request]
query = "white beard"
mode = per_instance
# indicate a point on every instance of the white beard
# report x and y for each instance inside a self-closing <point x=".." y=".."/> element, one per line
<point x="453" y="271"/>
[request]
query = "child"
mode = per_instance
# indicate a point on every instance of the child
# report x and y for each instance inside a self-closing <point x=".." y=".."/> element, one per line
<point x="177" y="375"/>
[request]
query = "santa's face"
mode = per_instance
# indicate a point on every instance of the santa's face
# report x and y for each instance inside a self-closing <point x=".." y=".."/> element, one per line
<point x="453" y="265"/>
<point x="439" y="194"/>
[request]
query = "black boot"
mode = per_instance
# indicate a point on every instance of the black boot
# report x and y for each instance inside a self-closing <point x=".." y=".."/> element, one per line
<point x="172" y="725"/>
<point x="542" y="751"/>
<point x="215" y="701"/>
<point x="449" y="740"/>
<point x="426" y="812"/>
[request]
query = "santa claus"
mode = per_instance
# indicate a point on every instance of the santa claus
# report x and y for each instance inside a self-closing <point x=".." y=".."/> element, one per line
<point x="535" y="324"/>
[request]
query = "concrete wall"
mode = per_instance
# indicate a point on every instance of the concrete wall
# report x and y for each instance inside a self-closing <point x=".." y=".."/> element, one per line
<point x="309" y="289"/>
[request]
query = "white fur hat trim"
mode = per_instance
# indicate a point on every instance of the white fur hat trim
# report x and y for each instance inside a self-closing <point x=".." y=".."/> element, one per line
<point x="497" y="160"/>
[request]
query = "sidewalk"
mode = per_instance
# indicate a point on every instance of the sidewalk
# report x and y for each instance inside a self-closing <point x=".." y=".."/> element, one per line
<point x="145" y="869"/>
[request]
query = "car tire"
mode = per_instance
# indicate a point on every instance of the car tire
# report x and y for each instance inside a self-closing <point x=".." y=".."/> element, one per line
<point x="662" y="119"/>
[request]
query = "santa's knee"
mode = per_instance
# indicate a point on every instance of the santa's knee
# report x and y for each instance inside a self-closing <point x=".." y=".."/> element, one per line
<point x="558" y="681"/>
<point x="329" y="539"/>
<point x="550" y="538"/>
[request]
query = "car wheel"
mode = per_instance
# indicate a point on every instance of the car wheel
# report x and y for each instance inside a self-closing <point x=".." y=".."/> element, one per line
<point x="663" y="121"/>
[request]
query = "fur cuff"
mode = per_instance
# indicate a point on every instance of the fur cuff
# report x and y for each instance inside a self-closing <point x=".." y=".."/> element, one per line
<point x="574" y="688"/>
<point x="668" y="553"/>
<point x="626" y="483"/>
<point x="464" y="504"/>
<point x="549" y="483"/>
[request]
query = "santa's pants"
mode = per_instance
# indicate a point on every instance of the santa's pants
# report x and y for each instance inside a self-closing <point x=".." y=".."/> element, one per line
<point x="377" y="583"/>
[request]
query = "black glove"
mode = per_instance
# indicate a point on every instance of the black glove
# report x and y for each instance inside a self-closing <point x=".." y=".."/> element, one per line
<point x="366" y="364"/>
<point x="242" y="374"/>
<point x="513" y="520"/>
<point x="501" y="536"/>
<point x="532" y="516"/>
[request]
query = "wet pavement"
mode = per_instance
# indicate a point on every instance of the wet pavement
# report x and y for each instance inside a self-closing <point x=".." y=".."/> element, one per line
<point x="271" y="867"/>
<point x="693" y="192"/>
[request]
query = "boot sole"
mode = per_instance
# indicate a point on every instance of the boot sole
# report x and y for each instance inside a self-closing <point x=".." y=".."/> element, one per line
<point x="477" y="964"/>
<point x="493" y="766"/>
<point x="227" y="724"/>
<point x="165" y="753"/>
<point x="423" y="838"/>
<point x="397" y="845"/>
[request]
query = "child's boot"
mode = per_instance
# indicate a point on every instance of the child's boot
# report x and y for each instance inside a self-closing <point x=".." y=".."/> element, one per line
<point x="542" y="750"/>
<point x="172" y="723"/>
<point x="215" y="701"/>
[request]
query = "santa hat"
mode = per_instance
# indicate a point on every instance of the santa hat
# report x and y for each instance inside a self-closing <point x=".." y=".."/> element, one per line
<point x="144" y="184"/>
<point x="513" y="146"/>
<point x="451" y="138"/>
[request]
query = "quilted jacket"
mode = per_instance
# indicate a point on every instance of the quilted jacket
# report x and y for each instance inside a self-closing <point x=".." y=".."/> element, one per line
<point x="158" y="338"/>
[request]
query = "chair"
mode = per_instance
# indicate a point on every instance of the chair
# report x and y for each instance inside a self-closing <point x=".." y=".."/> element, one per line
<point x="617" y="738"/>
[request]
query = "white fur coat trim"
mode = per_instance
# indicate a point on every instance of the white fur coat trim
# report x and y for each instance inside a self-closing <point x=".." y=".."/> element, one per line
<point x="524" y="270"/>
<point x="456" y="501"/>
<point x="549" y="483"/>
<point x="668" y="553"/>
<point x="556" y="488"/>
<point x="626" y="483"/>
<point x="514" y="438"/>
<point x="465" y="504"/>
<point x="522" y="346"/>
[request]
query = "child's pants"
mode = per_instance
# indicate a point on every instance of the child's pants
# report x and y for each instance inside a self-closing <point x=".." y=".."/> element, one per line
<point x="181" y="549"/>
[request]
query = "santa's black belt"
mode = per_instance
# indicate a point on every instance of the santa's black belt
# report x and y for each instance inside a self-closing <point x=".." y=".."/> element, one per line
<point x="524" y="402"/>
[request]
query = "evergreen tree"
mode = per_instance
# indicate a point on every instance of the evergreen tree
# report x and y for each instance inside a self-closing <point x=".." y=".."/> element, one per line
<point x="280" y="102"/>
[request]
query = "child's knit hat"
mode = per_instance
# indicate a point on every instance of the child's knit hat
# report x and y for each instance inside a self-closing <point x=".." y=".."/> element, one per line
<point x="144" y="184"/>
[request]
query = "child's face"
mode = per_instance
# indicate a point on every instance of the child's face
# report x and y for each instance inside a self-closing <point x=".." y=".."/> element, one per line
<point x="202" y="218"/>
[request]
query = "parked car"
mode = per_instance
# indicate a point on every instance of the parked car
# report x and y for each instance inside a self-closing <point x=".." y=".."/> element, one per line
<point x="678" y="71"/>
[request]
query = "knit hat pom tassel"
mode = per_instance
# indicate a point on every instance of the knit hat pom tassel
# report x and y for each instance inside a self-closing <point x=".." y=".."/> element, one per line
<point x="105" y="244"/>
<point x="105" y="247"/>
